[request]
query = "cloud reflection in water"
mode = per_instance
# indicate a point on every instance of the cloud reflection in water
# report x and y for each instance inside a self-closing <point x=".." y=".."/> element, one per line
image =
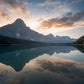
<point x="45" y="70"/>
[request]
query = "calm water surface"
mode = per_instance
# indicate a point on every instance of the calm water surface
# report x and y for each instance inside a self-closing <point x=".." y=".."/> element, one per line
<point x="41" y="65"/>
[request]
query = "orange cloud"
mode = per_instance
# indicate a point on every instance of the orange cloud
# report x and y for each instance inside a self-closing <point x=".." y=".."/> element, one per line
<point x="13" y="9"/>
<point x="17" y="10"/>
<point x="68" y="20"/>
<point x="24" y="10"/>
<point x="15" y="6"/>
<point x="4" y="14"/>
<point x="46" y="24"/>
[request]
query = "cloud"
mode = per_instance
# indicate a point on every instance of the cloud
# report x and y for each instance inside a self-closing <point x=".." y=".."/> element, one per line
<point x="78" y="16"/>
<point x="59" y="69"/>
<point x="59" y="7"/>
<point x="68" y="20"/>
<point x="15" y="5"/>
<point x="51" y="68"/>
<point x="12" y="3"/>
<point x="76" y="1"/>
<point x="13" y="9"/>
<point x="4" y="14"/>
<point x="18" y="10"/>
<point x="10" y="10"/>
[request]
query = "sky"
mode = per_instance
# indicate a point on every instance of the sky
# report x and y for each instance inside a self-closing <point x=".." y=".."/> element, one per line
<point x="45" y="16"/>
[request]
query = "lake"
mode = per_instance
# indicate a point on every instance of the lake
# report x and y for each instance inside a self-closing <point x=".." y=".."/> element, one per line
<point x="41" y="65"/>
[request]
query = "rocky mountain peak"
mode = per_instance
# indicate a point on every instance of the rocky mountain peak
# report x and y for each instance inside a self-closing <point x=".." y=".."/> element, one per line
<point x="19" y="22"/>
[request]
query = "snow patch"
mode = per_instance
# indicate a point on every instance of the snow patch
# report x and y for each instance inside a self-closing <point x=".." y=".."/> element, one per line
<point x="18" y="35"/>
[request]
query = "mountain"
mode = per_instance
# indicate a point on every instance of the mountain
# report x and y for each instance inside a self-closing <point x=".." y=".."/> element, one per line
<point x="11" y="40"/>
<point x="18" y="56"/>
<point x="19" y="30"/>
<point x="80" y="40"/>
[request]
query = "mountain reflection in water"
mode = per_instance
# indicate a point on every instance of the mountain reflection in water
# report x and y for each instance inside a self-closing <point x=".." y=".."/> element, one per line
<point x="41" y="65"/>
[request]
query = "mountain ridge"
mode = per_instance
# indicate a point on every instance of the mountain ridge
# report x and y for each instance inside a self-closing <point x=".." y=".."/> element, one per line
<point x="80" y="40"/>
<point x="18" y="29"/>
